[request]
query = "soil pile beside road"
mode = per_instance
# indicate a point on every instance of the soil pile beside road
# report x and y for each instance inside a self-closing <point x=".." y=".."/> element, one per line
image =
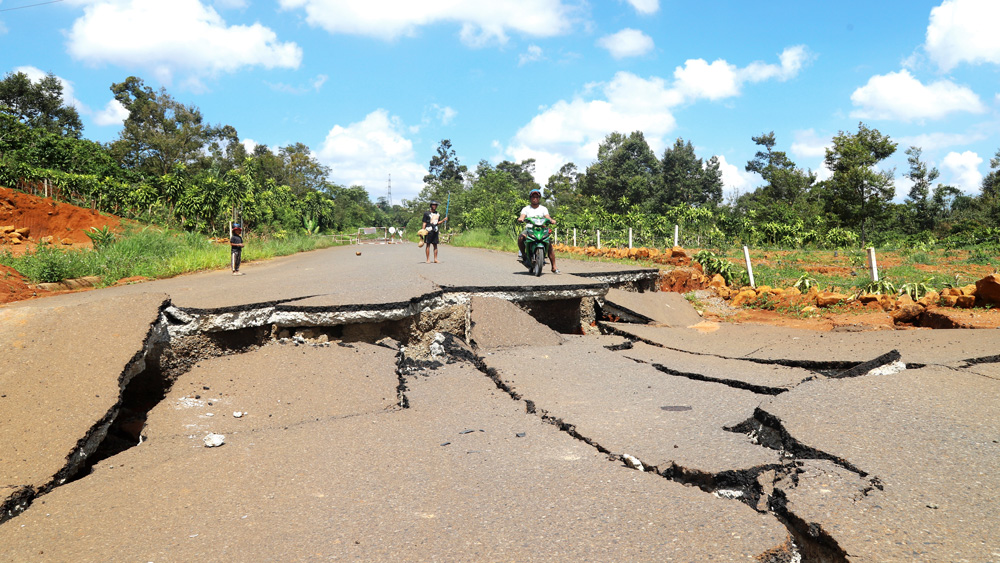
<point x="45" y="217"/>
<point x="13" y="286"/>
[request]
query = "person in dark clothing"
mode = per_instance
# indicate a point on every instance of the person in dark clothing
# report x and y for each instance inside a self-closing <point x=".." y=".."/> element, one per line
<point x="236" y="246"/>
<point x="432" y="221"/>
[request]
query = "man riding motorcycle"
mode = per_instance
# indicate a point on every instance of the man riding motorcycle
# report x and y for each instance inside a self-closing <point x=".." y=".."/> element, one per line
<point x="536" y="209"/>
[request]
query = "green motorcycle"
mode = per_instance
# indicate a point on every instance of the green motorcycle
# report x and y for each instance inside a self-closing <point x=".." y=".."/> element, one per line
<point x="537" y="244"/>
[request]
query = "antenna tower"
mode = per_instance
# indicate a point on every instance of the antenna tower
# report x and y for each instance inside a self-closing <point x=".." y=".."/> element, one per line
<point x="390" y="190"/>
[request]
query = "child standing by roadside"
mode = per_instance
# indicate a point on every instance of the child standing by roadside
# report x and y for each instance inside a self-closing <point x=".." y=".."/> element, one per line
<point x="236" y="245"/>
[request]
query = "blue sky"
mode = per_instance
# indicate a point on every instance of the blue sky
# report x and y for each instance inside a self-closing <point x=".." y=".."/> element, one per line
<point x="373" y="86"/>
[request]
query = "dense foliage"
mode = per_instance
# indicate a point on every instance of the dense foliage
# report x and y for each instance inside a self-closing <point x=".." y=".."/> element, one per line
<point x="170" y="166"/>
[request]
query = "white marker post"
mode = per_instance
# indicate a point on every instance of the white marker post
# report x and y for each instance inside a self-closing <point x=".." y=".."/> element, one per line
<point x="630" y="238"/>
<point x="574" y="236"/>
<point x="746" y="256"/>
<point x="598" y="239"/>
<point x="677" y="233"/>
<point x="872" y="267"/>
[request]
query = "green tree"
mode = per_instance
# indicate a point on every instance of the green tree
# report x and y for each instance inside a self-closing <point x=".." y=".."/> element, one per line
<point x="495" y="198"/>
<point x="352" y="208"/>
<point x="563" y="190"/>
<point x="785" y="182"/>
<point x="989" y="197"/>
<point x="39" y="105"/>
<point x="942" y="203"/>
<point x="224" y="152"/>
<point x="159" y="132"/>
<point x="444" y="166"/>
<point x="302" y="172"/>
<point x="523" y="174"/>
<point x="445" y="175"/>
<point x="686" y="179"/>
<point x="860" y="190"/>
<point x="13" y="134"/>
<point x="919" y="198"/>
<point x="785" y="201"/>
<point x="624" y="173"/>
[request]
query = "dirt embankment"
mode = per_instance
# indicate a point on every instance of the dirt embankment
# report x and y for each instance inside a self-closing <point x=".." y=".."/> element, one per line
<point x="42" y="217"/>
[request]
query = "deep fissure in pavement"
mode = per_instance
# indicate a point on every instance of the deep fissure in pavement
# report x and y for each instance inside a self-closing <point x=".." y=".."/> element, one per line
<point x="734" y="383"/>
<point x="834" y="369"/>
<point x="743" y="486"/>
<point x="767" y="430"/>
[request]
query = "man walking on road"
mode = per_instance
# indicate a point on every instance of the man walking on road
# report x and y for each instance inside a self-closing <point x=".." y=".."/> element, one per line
<point x="236" y="247"/>
<point x="432" y="221"/>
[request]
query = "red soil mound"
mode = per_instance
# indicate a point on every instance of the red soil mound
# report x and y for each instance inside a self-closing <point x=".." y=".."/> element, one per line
<point x="46" y="217"/>
<point x="43" y="217"/>
<point x="14" y="288"/>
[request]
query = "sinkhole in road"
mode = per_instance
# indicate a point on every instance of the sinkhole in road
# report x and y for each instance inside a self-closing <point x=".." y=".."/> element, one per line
<point x="170" y="358"/>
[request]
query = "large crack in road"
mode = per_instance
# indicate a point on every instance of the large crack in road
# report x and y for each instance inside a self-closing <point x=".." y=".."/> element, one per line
<point x="438" y="330"/>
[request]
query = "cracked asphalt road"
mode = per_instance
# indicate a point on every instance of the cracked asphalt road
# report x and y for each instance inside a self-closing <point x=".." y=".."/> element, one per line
<point x="511" y="443"/>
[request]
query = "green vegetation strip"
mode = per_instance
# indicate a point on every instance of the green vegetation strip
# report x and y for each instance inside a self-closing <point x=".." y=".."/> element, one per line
<point x="150" y="253"/>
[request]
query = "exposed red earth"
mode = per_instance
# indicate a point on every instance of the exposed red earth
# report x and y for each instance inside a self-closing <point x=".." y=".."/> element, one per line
<point x="42" y="217"/>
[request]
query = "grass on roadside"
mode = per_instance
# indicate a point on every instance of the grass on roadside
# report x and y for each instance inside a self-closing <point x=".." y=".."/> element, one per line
<point x="150" y="253"/>
<point x="484" y="238"/>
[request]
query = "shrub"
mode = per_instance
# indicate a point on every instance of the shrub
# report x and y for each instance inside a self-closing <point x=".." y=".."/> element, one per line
<point x="713" y="264"/>
<point x="100" y="237"/>
<point x="881" y="287"/>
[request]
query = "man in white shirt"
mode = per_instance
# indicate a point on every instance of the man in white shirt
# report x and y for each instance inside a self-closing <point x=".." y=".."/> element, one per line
<point x="536" y="209"/>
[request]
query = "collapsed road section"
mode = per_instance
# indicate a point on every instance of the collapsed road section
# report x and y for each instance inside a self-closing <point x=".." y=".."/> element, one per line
<point x="378" y="424"/>
<point x="79" y="373"/>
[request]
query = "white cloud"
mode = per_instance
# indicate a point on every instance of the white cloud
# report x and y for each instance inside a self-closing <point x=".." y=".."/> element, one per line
<point x="791" y="60"/>
<point x="626" y="43"/>
<point x="68" y="94"/>
<point x="934" y="141"/>
<point x="314" y="85"/>
<point x="807" y="144"/>
<point x="571" y="130"/>
<point x="900" y="96"/>
<point x="181" y="36"/>
<point x="962" y="170"/>
<point x="698" y="79"/>
<point x="964" y="31"/>
<point x="645" y="6"/>
<point x="445" y="114"/>
<point x="367" y="152"/>
<point x="114" y="113"/>
<point x="733" y="177"/>
<point x="631" y="103"/>
<point x="534" y="53"/>
<point x="481" y="22"/>
<point x="809" y="150"/>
